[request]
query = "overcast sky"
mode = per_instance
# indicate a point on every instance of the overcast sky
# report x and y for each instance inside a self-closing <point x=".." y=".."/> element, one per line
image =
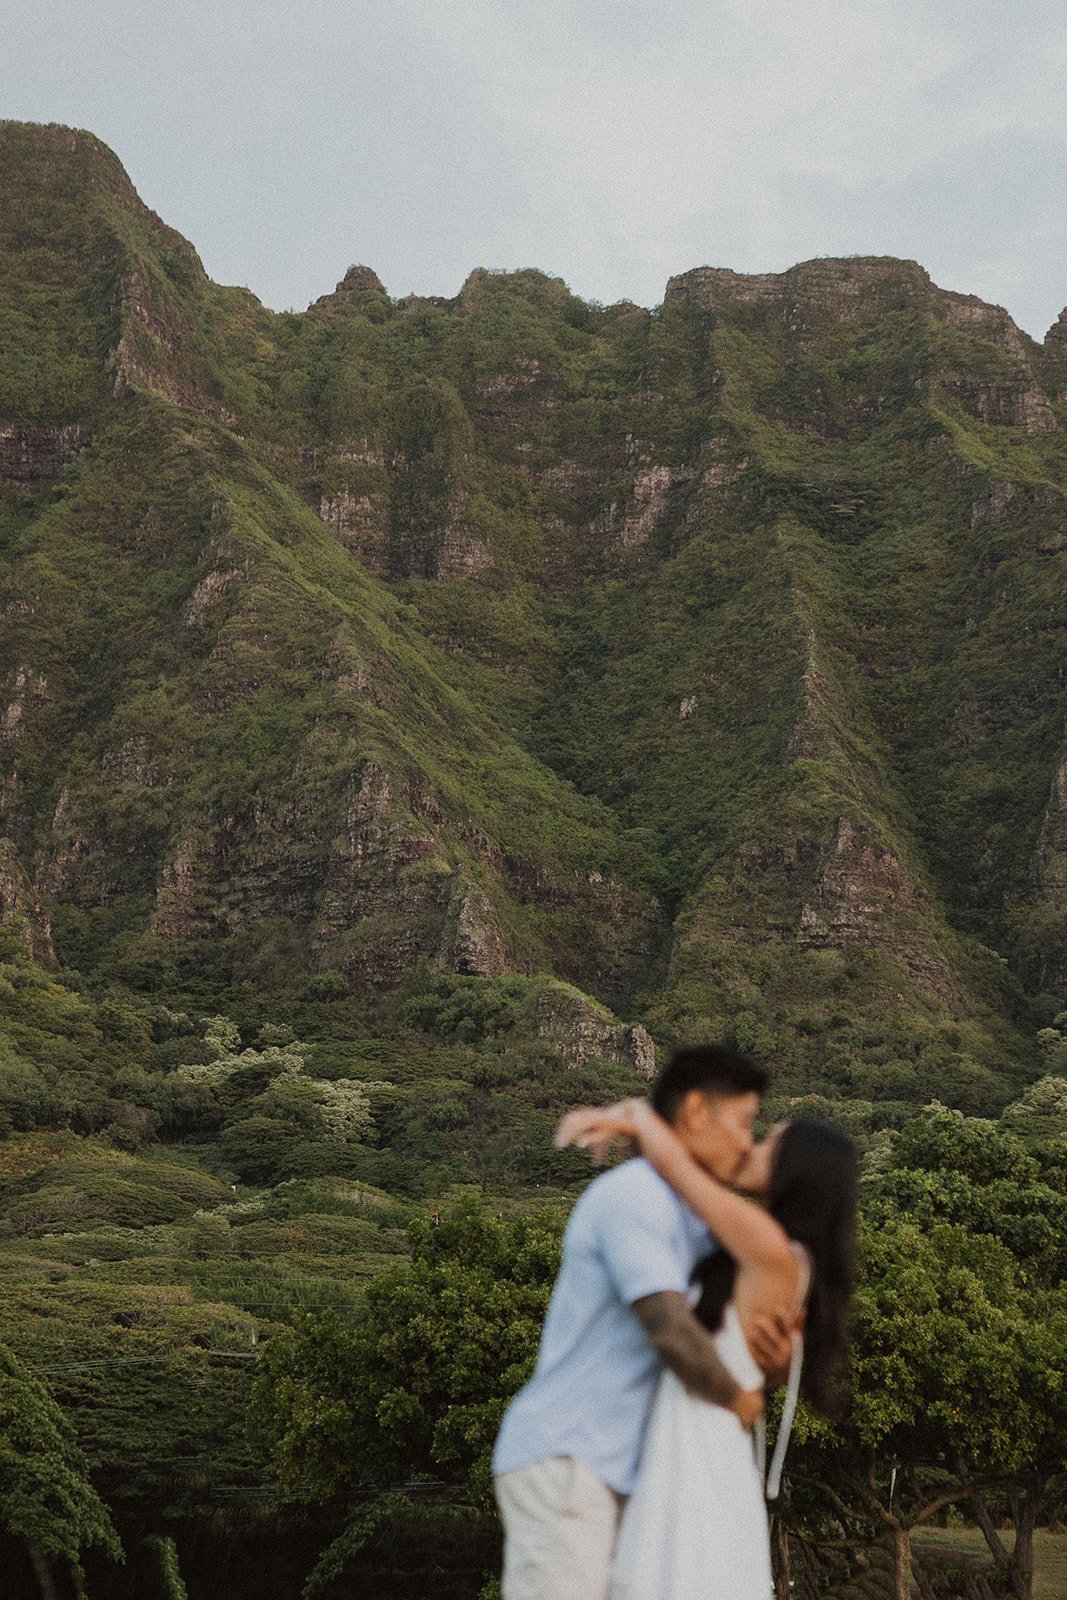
<point x="611" y="142"/>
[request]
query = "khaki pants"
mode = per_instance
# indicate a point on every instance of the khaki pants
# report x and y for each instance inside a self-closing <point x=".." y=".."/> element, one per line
<point x="560" y="1524"/>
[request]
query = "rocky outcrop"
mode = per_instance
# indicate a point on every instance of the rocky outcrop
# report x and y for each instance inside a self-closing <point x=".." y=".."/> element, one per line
<point x="394" y="893"/>
<point x="354" y="288"/>
<point x="354" y="498"/>
<point x="581" y="1031"/>
<point x="188" y="904"/>
<point x="1014" y="397"/>
<point x="21" y="909"/>
<point x="463" y="555"/>
<point x="33" y="458"/>
<point x="473" y="941"/>
<point x="133" y="764"/>
<point x="1050" y="856"/>
<point x="862" y="896"/>
<point x="360" y="522"/>
<point x="856" y="290"/>
<point x="858" y="883"/>
<point x="208" y="592"/>
<point x="58" y="867"/>
<point x="29" y="688"/>
<point x="1043" y="946"/>
<point x="654" y="488"/>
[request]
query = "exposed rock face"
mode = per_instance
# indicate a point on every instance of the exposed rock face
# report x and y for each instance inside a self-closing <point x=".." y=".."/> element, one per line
<point x="32" y="458"/>
<point x="157" y="349"/>
<point x="1014" y="399"/>
<point x="208" y="592"/>
<point x="583" y="1032"/>
<point x="360" y="522"/>
<point x="1044" y="953"/>
<point x="473" y="941"/>
<point x="20" y="908"/>
<point x="364" y="508"/>
<point x="463" y="555"/>
<point x="859" y="897"/>
<point x="357" y="283"/>
<point x="388" y="893"/>
<point x="857" y="885"/>
<point x="187" y="901"/>
<point x="653" y="489"/>
<point x="995" y="506"/>
<point x="133" y="764"/>
<point x="813" y="736"/>
<point x="58" y="866"/>
<point x="355" y="497"/>
<point x="29" y="688"/>
<point x="846" y="291"/>
<point x="496" y="387"/>
<point x="1050" y="858"/>
<point x="721" y="468"/>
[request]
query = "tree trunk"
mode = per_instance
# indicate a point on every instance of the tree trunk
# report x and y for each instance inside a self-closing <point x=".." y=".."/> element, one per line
<point x="902" y="1552"/>
<point x="780" y="1551"/>
<point x="42" y="1569"/>
<point x="77" y="1578"/>
<point x="1024" y="1514"/>
<point x="996" y="1546"/>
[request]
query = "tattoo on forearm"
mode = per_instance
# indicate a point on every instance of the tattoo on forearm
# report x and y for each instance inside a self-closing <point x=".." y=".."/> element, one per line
<point x="685" y="1346"/>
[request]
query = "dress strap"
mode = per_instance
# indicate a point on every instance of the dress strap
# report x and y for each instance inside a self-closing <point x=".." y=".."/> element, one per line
<point x="773" y="1478"/>
<point x="785" y="1426"/>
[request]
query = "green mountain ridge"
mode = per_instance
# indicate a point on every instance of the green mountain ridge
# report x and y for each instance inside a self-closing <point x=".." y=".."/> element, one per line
<point x="709" y="658"/>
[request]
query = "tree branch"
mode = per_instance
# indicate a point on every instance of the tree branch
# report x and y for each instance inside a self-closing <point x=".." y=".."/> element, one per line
<point x="997" y="1548"/>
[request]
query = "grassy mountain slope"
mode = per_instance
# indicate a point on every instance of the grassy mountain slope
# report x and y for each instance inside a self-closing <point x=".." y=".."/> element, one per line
<point x="709" y="657"/>
<point x="220" y="722"/>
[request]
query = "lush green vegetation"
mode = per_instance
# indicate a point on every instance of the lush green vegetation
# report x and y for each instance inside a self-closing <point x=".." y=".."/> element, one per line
<point x="388" y="691"/>
<point x="228" y="729"/>
<point x="959" y="1393"/>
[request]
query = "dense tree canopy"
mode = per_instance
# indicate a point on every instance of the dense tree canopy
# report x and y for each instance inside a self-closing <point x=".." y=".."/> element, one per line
<point x="46" y="1497"/>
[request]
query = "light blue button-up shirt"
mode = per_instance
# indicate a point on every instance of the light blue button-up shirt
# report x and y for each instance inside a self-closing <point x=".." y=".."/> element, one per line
<point x="592" y="1389"/>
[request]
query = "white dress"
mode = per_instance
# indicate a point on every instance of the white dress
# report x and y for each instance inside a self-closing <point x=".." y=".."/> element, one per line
<point x="695" y="1527"/>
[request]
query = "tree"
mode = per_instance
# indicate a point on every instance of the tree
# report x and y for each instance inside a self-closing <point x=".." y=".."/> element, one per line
<point x="959" y="1336"/>
<point x="411" y="1396"/>
<point x="46" y="1498"/>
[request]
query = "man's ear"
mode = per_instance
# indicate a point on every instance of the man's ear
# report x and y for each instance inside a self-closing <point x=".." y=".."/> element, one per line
<point x="692" y="1110"/>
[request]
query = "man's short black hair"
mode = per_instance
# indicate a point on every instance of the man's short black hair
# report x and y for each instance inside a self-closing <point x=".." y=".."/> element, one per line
<point x="713" y="1069"/>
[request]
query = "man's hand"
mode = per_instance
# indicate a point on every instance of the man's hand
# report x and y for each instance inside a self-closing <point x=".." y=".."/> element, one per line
<point x="770" y="1339"/>
<point x="748" y="1407"/>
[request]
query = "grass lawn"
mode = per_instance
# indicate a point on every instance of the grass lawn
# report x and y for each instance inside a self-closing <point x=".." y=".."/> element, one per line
<point x="1050" y="1555"/>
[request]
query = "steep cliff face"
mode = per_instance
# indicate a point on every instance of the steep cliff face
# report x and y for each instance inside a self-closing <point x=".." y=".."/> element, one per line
<point x="21" y="908"/>
<point x="708" y="657"/>
<point x="1043" y="916"/>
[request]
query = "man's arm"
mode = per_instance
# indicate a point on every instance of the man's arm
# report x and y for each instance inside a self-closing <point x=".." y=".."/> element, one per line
<point x="684" y="1345"/>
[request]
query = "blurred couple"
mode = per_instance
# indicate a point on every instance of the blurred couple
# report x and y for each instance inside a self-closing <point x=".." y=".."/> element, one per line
<point x="626" y="1468"/>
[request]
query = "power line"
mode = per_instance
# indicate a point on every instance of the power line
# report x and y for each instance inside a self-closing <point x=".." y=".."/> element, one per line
<point x="140" y="1361"/>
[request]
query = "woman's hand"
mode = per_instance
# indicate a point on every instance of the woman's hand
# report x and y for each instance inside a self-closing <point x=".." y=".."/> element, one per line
<point x="597" y="1128"/>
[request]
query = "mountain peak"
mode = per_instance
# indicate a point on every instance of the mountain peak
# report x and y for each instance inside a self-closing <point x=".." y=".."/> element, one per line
<point x="843" y="285"/>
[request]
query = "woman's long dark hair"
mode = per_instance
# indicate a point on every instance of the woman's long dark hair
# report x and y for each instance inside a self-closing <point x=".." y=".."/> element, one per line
<point x="813" y="1195"/>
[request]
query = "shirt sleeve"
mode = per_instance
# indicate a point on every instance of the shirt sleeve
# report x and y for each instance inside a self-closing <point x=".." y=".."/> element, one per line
<point x="642" y="1244"/>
